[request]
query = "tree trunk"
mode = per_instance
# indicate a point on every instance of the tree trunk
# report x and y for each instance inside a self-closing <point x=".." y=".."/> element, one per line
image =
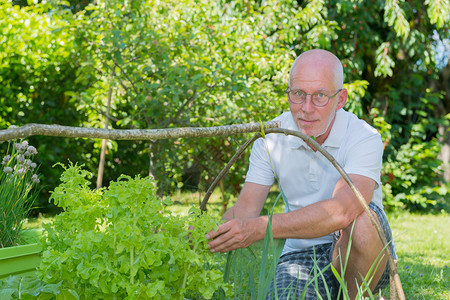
<point x="442" y="84"/>
<point x="444" y="155"/>
<point x="101" y="166"/>
<point x="152" y="149"/>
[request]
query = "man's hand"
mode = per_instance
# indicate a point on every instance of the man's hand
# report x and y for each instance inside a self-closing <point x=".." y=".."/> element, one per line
<point x="237" y="233"/>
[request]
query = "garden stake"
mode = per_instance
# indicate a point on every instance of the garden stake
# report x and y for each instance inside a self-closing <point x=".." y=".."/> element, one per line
<point x="395" y="281"/>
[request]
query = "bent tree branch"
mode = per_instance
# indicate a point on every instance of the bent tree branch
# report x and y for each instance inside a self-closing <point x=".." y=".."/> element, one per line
<point x="129" y="134"/>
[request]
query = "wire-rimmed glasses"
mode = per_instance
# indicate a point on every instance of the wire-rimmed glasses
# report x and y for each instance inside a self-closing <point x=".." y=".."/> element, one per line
<point x="319" y="98"/>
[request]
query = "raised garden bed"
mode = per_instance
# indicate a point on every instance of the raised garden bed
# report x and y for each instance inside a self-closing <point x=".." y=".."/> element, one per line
<point x="23" y="259"/>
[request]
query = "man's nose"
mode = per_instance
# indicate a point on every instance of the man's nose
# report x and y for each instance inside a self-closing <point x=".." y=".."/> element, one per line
<point x="308" y="105"/>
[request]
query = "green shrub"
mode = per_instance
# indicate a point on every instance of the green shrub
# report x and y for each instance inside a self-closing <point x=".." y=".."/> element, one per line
<point x="411" y="173"/>
<point x="122" y="242"/>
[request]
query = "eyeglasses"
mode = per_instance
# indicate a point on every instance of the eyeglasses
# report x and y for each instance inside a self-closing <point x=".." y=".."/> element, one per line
<point x="317" y="98"/>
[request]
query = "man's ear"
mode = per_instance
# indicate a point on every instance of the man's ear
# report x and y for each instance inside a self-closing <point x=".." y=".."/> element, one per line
<point x="342" y="99"/>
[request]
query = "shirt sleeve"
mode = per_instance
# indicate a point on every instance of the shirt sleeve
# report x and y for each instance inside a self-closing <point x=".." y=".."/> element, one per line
<point x="365" y="158"/>
<point x="260" y="169"/>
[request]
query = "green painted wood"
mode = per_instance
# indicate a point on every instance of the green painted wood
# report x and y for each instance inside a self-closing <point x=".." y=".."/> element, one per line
<point x="20" y="260"/>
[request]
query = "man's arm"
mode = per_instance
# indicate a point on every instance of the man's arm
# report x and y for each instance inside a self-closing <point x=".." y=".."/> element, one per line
<point x="316" y="220"/>
<point x="327" y="216"/>
<point x="249" y="203"/>
<point x="247" y="208"/>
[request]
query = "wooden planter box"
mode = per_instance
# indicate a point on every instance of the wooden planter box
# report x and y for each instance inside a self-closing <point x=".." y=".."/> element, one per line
<point x="19" y="260"/>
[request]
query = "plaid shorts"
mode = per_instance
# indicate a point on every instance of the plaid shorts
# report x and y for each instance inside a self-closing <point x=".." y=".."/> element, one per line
<point x="307" y="273"/>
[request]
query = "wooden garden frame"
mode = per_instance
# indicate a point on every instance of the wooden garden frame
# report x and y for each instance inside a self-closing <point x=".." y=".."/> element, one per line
<point x="192" y="132"/>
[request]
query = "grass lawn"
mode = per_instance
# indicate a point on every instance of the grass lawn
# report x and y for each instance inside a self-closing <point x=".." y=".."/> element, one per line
<point x="423" y="247"/>
<point x="422" y="241"/>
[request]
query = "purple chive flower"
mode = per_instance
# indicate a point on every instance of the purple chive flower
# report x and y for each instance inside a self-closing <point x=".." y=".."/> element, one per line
<point x="20" y="172"/>
<point x="35" y="178"/>
<point x="33" y="165"/>
<point x="8" y="170"/>
<point x="31" y="150"/>
<point x="24" y="144"/>
<point x="18" y="146"/>
<point x="6" y="159"/>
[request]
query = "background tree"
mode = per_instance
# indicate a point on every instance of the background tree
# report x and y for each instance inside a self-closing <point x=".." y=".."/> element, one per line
<point x="205" y="63"/>
<point x="35" y="72"/>
<point x="176" y="64"/>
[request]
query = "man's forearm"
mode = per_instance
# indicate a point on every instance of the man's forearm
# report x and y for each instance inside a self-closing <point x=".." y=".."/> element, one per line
<point x="327" y="216"/>
<point x="249" y="203"/>
<point x="312" y="221"/>
<point x="229" y="214"/>
<point x="237" y="212"/>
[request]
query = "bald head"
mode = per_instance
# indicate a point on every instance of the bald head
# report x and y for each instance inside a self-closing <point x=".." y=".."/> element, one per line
<point x="322" y="60"/>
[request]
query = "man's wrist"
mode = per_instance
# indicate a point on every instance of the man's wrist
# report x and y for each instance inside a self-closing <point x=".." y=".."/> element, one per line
<point x="263" y="221"/>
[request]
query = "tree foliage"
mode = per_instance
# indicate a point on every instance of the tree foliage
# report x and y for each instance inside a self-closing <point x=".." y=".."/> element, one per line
<point x="36" y="70"/>
<point x="206" y="63"/>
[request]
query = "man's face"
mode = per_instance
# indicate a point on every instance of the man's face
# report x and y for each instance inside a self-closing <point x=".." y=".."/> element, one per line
<point x="310" y="119"/>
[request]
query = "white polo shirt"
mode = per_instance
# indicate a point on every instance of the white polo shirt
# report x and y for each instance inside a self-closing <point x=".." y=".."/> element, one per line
<point x="306" y="176"/>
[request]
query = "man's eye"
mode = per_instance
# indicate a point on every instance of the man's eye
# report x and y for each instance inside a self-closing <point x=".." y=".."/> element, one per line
<point x="299" y="93"/>
<point x="320" y="95"/>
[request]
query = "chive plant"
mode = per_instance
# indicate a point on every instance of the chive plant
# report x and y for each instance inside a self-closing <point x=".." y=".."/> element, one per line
<point x="18" y="190"/>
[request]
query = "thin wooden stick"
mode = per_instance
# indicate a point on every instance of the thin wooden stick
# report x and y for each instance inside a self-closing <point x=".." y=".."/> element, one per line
<point x="224" y="171"/>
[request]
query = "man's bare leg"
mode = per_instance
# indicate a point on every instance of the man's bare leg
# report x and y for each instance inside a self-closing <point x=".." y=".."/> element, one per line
<point x="366" y="246"/>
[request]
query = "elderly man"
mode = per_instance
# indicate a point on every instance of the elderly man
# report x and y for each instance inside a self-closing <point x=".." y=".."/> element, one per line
<point x="320" y="207"/>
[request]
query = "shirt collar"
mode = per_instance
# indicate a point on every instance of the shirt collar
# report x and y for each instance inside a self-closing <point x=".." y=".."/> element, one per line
<point x="294" y="142"/>
<point x="334" y="139"/>
<point x="338" y="131"/>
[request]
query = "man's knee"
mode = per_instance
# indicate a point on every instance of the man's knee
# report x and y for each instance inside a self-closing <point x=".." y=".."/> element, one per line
<point x="364" y="235"/>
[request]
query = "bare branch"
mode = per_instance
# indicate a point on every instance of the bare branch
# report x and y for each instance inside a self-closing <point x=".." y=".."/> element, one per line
<point x="126" y="75"/>
<point x="189" y="100"/>
<point x="122" y="84"/>
<point x="105" y="114"/>
<point x="129" y="134"/>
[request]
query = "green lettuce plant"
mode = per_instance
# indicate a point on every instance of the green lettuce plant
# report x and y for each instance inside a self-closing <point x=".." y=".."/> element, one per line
<point x="122" y="243"/>
<point x="18" y="190"/>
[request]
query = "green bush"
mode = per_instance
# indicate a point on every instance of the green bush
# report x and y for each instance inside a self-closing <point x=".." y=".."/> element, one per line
<point x="121" y="242"/>
<point x="37" y="67"/>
